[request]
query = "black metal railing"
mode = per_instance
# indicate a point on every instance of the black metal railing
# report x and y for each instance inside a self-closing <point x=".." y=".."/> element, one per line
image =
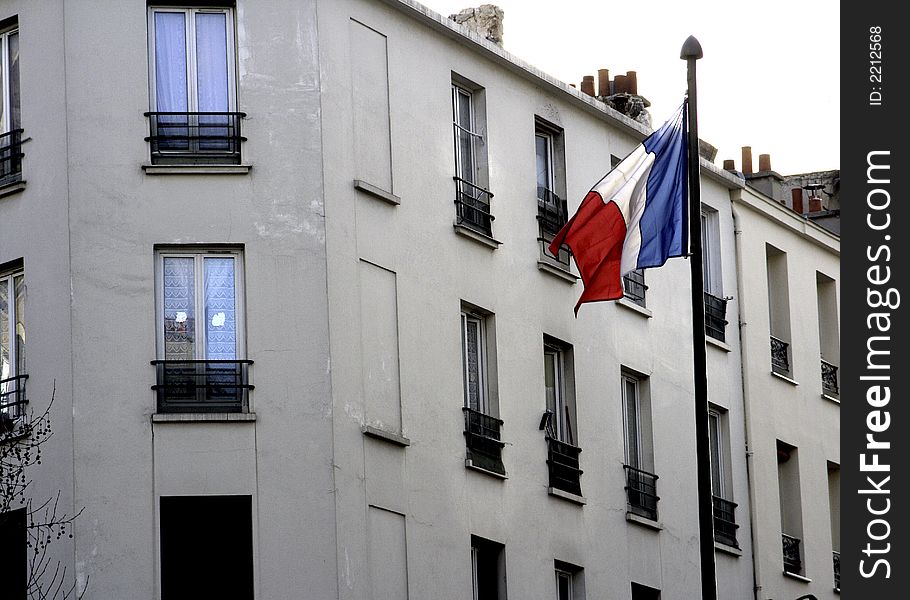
<point x="552" y="214"/>
<point x="482" y="438"/>
<point x="633" y="286"/>
<point x="195" y="137"/>
<point x="202" y="386"/>
<point x="12" y="401"/>
<point x="725" y="522"/>
<point x="715" y="317"/>
<point x="829" y="378"/>
<point x="780" y="356"/>
<point x="835" y="555"/>
<point x="792" y="560"/>
<point x="472" y="206"/>
<point x="641" y="491"/>
<point x="11" y="154"/>
<point x="562" y="460"/>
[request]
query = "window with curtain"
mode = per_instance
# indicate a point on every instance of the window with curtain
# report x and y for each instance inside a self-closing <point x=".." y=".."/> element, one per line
<point x="12" y="344"/>
<point x="474" y="362"/>
<point x="10" y="115"/>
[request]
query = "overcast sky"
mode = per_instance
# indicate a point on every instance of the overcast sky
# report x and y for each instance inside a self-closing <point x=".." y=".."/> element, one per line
<point x="769" y="79"/>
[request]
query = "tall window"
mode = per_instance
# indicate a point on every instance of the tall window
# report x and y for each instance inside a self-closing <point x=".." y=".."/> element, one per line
<point x="12" y="348"/>
<point x="791" y="517"/>
<point x="10" y="116"/>
<point x="482" y="425"/>
<point x="488" y="569"/>
<point x="828" y="338"/>
<point x="834" y="514"/>
<point x="559" y="418"/>
<point x="472" y="200"/>
<point x="550" y="162"/>
<point x="570" y="584"/>
<point x="193" y="83"/>
<point x="201" y="364"/>
<point x="724" y="508"/>
<point x="474" y="358"/>
<point x="715" y="303"/>
<point x="779" y="310"/>
<point x="641" y="482"/>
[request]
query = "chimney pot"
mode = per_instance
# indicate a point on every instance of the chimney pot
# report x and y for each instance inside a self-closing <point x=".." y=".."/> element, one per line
<point x="603" y="82"/>
<point x="747" y="160"/>
<point x="587" y="85"/>
<point x="764" y="162"/>
<point x="632" y="80"/>
<point x="620" y="84"/>
<point x="815" y="205"/>
<point x="796" y="194"/>
<point x="729" y="164"/>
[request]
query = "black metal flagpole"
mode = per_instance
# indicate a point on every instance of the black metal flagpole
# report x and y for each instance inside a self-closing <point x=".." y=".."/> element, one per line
<point x="691" y="52"/>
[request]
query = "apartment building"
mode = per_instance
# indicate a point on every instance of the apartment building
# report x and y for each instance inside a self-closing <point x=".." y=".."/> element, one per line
<point x="287" y="282"/>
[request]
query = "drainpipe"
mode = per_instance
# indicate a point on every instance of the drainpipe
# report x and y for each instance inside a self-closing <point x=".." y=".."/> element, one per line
<point x="747" y="415"/>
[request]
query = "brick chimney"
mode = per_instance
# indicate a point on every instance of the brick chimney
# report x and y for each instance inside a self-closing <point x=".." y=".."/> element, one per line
<point x="796" y="194"/>
<point x="747" y="160"/>
<point x="603" y="82"/>
<point x="764" y="162"/>
<point x="587" y="85"/>
<point x="729" y="164"/>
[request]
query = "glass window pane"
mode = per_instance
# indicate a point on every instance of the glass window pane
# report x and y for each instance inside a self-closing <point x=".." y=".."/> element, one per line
<point x="212" y="79"/>
<point x="633" y="457"/>
<point x="549" y="361"/>
<point x="472" y="366"/>
<point x="19" y="293"/>
<point x="543" y="166"/>
<point x="220" y="305"/>
<point x="563" y="583"/>
<point x="170" y="62"/>
<point x="5" y="366"/>
<point x="179" y="309"/>
<point x="716" y="464"/>
<point x="15" y="118"/>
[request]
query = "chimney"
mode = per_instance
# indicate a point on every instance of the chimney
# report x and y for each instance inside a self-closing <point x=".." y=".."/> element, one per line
<point x="747" y="160"/>
<point x="815" y="204"/>
<point x="729" y="164"/>
<point x="603" y="82"/>
<point x="587" y="85"/>
<point x="620" y="84"/>
<point x="797" y="195"/>
<point x="485" y="21"/>
<point x="764" y="162"/>
<point x="632" y="82"/>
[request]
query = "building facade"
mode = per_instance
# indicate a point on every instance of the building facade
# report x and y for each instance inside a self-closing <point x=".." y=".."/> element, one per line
<point x="292" y="300"/>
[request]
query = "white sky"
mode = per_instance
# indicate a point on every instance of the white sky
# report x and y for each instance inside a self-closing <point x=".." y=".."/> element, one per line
<point x="770" y="77"/>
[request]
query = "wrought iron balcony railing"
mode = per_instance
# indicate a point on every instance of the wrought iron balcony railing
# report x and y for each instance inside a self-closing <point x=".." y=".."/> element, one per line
<point x="829" y="379"/>
<point x="725" y="522"/>
<point x="562" y="460"/>
<point x="195" y="137"/>
<point x="551" y="212"/>
<point x="835" y="555"/>
<point x="780" y="356"/>
<point x="715" y="317"/>
<point x="641" y="491"/>
<point x="634" y="288"/>
<point x="792" y="559"/>
<point x="482" y="438"/>
<point x="472" y="206"/>
<point x="12" y="401"/>
<point x="202" y="386"/>
<point x="11" y="154"/>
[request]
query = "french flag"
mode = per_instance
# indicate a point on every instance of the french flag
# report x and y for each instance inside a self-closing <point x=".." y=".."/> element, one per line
<point x="634" y="218"/>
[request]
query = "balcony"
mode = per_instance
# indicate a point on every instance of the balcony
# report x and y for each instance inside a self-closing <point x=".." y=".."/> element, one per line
<point x="835" y="555"/>
<point x="641" y="491"/>
<point x="780" y="356"/>
<point x="792" y="560"/>
<point x="12" y="401"/>
<point x="482" y="438"/>
<point x="725" y="522"/>
<point x="552" y="214"/>
<point x="634" y="288"/>
<point x="715" y="317"/>
<point x="10" y="155"/>
<point x="195" y="138"/>
<point x="829" y="379"/>
<point x="202" y="386"/>
<point x="472" y="207"/>
<point x="562" y="460"/>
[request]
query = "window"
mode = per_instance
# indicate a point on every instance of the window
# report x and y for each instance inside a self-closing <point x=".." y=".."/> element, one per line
<point x="724" y="508"/>
<point x="552" y="212"/>
<point x="779" y="310"/>
<point x="641" y="483"/>
<point x="472" y="200"/>
<point x="712" y="276"/>
<point x="791" y="519"/>
<point x="834" y="513"/>
<point x="12" y="349"/>
<point x="10" y="114"/>
<point x="14" y="553"/>
<point x="643" y="592"/>
<point x="201" y="332"/>
<point x="203" y="539"/>
<point x="828" y="339"/>
<point x="193" y="99"/>
<point x="488" y="569"/>
<point x="482" y="427"/>
<point x="559" y="418"/>
<point x="570" y="584"/>
<point x="633" y="286"/>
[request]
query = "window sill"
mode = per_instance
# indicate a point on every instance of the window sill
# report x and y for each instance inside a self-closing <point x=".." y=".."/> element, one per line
<point x="196" y="169"/>
<point x="733" y="550"/>
<point x="785" y="378"/>
<point x="202" y="417"/>
<point x="11" y="187"/>
<point x="643" y="521"/>
<point x="387" y="436"/>
<point x="558" y="272"/>
<point x="376" y="192"/>
<point x="831" y="398"/>
<point x="628" y="304"/>
<point x="568" y="496"/>
<point x="797" y="577"/>
<point x="478" y="237"/>
<point x="718" y="344"/>
<point x="470" y="465"/>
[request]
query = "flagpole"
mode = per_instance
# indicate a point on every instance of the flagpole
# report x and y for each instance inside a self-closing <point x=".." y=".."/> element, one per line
<point x="691" y="52"/>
